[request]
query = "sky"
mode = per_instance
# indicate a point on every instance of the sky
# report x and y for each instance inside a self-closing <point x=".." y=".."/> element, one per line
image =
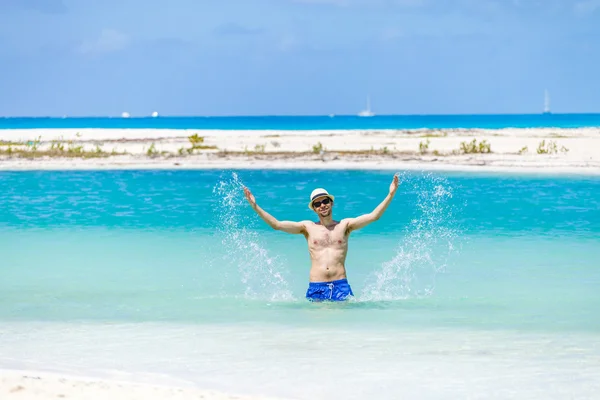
<point x="297" y="57"/>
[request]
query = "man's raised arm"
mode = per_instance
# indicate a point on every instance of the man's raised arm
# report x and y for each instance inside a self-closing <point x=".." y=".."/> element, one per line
<point x="285" y="226"/>
<point x="366" y="219"/>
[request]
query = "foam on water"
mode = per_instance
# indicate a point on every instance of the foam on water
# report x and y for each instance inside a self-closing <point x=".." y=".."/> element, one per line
<point x="423" y="251"/>
<point x="262" y="274"/>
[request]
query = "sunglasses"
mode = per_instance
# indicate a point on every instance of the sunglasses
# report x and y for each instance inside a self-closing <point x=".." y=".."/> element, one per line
<point x="317" y="204"/>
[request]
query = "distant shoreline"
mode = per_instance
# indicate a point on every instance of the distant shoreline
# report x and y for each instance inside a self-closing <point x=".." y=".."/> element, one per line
<point x="538" y="150"/>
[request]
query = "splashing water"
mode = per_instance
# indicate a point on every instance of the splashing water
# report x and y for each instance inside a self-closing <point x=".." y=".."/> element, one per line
<point x="261" y="274"/>
<point x="423" y="252"/>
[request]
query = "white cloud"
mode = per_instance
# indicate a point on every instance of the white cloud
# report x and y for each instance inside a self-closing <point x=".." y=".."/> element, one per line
<point x="583" y="8"/>
<point x="110" y="40"/>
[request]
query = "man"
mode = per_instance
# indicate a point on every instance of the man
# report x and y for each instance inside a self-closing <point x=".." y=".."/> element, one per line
<point x="327" y="241"/>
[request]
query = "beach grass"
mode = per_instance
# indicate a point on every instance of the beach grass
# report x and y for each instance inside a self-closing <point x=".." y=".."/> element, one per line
<point x="514" y="147"/>
<point x="551" y="147"/>
<point x="77" y="153"/>
<point x="473" y="147"/>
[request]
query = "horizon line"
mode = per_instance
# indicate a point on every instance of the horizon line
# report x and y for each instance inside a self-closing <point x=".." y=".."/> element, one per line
<point x="332" y="115"/>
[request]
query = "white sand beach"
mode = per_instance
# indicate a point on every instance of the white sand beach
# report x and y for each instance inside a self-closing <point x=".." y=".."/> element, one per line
<point x="31" y="385"/>
<point x="511" y="149"/>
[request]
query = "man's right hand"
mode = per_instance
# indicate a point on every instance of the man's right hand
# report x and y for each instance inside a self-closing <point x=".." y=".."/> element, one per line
<point x="394" y="185"/>
<point x="250" y="197"/>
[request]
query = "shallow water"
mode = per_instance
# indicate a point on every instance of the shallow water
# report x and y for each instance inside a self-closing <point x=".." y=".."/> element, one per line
<point x="481" y="285"/>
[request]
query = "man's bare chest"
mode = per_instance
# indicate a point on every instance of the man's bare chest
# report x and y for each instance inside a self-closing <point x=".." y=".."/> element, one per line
<point x="323" y="237"/>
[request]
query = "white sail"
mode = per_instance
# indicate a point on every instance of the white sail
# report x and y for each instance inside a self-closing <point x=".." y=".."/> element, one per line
<point x="367" y="112"/>
<point x="546" y="102"/>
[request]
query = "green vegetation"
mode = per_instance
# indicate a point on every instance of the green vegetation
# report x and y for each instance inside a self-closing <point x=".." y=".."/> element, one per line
<point x="550" y="148"/>
<point x="72" y="149"/>
<point x="523" y="150"/>
<point x="57" y="146"/>
<point x="424" y="147"/>
<point x="434" y="135"/>
<point x="76" y="152"/>
<point x="33" y="146"/>
<point x="196" y="142"/>
<point x="317" y="148"/>
<point x="152" y="152"/>
<point x="33" y="149"/>
<point x="474" y="147"/>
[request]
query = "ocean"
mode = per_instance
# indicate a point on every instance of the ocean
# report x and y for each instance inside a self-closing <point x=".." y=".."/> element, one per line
<point x="328" y="122"/>
<point x="478" y="285"/>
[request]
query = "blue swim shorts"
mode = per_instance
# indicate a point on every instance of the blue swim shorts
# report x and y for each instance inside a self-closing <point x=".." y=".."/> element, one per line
<point x="338" y="290"/>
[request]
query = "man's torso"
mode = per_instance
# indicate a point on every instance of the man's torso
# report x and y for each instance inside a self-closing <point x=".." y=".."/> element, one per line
<point x="327" y="247"/>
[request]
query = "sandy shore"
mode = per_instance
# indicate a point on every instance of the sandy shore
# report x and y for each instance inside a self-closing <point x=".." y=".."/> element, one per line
<point x="535" y="149"/>
<point x="30" y="385"/>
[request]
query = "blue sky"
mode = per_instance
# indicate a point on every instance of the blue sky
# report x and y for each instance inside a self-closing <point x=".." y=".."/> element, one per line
<point x="297" y="57"/>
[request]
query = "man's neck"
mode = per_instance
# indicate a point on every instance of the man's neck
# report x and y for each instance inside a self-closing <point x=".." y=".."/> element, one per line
<point x="326" y="221"/>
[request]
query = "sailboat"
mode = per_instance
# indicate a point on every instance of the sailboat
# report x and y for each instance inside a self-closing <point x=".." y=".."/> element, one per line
<point x="367" y="112"/>
<point x="546" y="102"/>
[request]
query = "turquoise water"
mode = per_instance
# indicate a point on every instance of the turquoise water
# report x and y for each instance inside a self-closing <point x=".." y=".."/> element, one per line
<point x="470" y="285"/>
<point x="343" y="122"/>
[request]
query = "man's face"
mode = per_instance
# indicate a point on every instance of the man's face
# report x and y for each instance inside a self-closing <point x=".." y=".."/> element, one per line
<point x="322" y="206"/>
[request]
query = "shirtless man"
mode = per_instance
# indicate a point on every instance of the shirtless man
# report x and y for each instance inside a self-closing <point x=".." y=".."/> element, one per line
<point x="327" y="241"/>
